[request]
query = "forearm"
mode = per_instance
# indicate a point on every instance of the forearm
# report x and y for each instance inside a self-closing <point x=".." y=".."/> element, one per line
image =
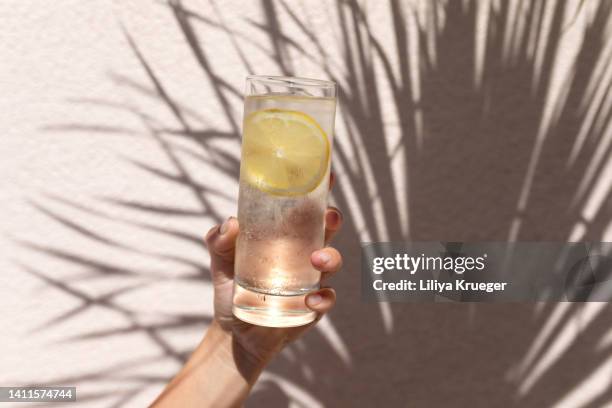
<point x="218" y="374"/>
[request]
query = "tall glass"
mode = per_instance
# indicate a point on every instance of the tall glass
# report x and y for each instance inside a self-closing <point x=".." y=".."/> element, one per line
<point x="284" y="179"/>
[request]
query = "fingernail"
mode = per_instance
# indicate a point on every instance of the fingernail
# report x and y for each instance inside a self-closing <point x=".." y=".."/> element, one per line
<point x="324" y="257"/>
<point x="225" y="226"/>
<point x="314" y="299"/>
<point x="333" y="217"/>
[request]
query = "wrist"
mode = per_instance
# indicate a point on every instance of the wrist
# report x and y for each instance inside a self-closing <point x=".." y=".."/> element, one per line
<point x="235" y="354"/>
<point x="216" y="374"/>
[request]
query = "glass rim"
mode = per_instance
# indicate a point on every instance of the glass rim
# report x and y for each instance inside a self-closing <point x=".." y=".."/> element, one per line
<point x="292" y="81"/>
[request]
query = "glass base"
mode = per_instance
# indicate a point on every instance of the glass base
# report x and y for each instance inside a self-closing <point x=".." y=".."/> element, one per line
<point x="271" y="310"/>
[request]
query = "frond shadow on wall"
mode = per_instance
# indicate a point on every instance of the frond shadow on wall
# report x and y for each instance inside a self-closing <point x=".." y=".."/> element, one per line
<point x="488" y="149"/>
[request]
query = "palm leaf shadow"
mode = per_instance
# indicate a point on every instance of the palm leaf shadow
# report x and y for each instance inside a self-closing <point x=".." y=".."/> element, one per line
<point x="488" y="153"/>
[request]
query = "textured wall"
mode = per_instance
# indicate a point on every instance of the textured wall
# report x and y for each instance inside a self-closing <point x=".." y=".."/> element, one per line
<point x="458" y="120"/>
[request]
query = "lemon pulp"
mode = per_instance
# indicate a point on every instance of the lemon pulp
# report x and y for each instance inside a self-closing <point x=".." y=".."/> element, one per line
<point x="284" y="152"/>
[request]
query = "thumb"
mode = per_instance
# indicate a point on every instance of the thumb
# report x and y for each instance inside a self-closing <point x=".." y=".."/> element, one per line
<point x="221" y="243"/>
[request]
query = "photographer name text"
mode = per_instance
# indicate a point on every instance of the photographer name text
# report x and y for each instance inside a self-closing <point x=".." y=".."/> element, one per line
<point x="454" y="265"/>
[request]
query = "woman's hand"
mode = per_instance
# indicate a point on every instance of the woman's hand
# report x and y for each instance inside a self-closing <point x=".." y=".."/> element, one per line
<point x="226" y="364"/>
<point x="256" y="345"/>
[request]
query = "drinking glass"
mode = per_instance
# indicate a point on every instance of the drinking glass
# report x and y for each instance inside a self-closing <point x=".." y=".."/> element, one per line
<point x="284" y="181"/>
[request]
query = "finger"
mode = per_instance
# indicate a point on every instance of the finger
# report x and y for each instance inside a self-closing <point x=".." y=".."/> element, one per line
<point x="327" y="260"/>
<point x="332" y="179"/>
<point x="322" y="300"/>
<point x="221" y="243"/>
<point x="333" y="222"/>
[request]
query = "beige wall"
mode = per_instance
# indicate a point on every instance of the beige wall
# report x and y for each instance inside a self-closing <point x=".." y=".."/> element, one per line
<point x="459" y="120"/>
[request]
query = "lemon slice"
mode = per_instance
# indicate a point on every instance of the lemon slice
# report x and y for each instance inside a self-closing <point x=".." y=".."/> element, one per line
<point x="284" y="152"/>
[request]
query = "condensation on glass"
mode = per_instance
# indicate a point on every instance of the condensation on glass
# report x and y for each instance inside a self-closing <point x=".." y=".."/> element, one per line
<point x="281" y="209"/>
